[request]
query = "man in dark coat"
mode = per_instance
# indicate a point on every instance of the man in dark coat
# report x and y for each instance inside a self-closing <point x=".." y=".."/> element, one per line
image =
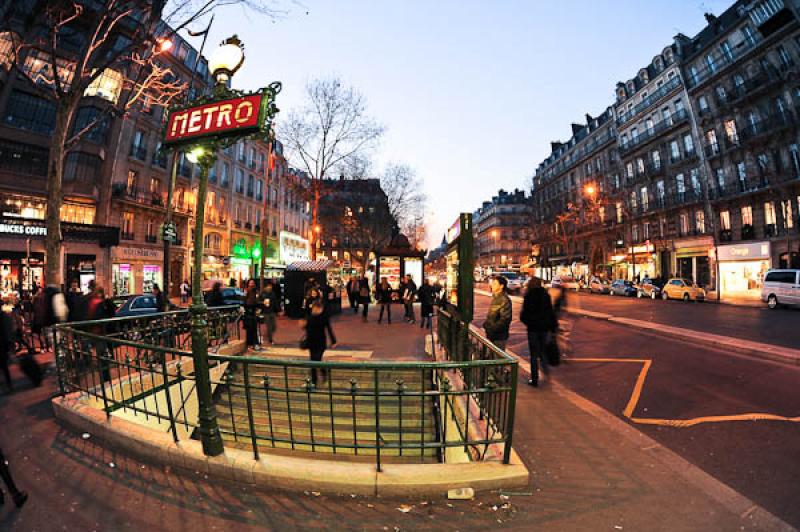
<point x="352" y="293"/>
<point x="383" y="294"/>
<point x="540" y="319"/>
<point x="364" y="296"/>
<point x="426" y="300"/>
<point x="409" y="294"/>
<point x="498" y="318"/>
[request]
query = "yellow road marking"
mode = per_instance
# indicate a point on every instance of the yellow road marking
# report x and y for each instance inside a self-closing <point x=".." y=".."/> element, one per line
<point x="637" y="392"/>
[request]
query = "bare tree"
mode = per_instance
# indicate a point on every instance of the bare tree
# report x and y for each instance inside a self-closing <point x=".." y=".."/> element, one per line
<point x="331" y="129"/>
<point x="121" y="39"/>
<point x="407" y="201"/>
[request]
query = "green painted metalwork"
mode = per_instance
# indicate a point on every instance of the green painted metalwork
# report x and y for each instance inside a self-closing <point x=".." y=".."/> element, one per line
<point x="388" y="410"/>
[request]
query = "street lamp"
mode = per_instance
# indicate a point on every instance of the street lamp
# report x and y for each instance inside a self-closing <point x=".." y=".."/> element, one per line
<point x="226" y="60"/>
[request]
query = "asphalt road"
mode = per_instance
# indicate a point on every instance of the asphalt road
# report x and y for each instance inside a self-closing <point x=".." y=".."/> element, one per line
<point x="756" y="458"/>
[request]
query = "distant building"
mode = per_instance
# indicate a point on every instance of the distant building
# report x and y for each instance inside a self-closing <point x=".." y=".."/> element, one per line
<point x="502" y="229"/>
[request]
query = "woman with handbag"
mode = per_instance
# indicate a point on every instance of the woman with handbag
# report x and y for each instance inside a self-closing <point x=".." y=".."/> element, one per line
<point x="540" y="320"/>
<point x="315" y="340"/>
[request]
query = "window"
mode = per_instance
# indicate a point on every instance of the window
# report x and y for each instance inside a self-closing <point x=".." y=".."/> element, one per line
<point x="635" y="233"/>
<point x="619" y="212"/>
<point x="251" y="186"/>
<point x="722" y="95"/>
<point x="660" y="191"/>
<point x="26" y="111"/>
<point x="78" y="213"/>
<point x="688" y="144"/>
<point x="795" y="159"/>
<point x="693" y="75"/>
<point x="649" y="126"/>
<point x="629" y="170"/>
<point x="634" y="135"/>
<point x="624" y="140"/>
<point x="666" y="116"/>
<point x="82" y="167"/>
<point x="769" y="213"/>
<point x="730" y="131"/>
<point x="38" y="66"/>
<point x="259" y="190"/>
<point x="711" y="140"/>
<point x="644" y="198"/>
<point x="646" y="230"/>
<point x="655" y="156"/>
<point x="784" y="57"/>
<point x="700" y="221"/>
<point x="678" y="106"/>
<point x="747" y="215"/>
<point x="151" y="228"/>
<point x="727" y="52"/>
<point x="680" y="184"/>
<point x="86" y="116"/>
<point x="763" y="161"/>
<point x="674" y="150"/>
<point x="640" y="165"/>
<point x="132" y="183"/>
<point x="710" y="64"/>
<point x="786" y="213"/>
<point x="725" y="220"/>
<point x="239" y="181"/>
<point x="155" y="186"/>
<point x="694" y="175"/>
<point x="702" y="103"/>
<point x="225" y="177"/>
<point x="127" y="225"/>
<point x="107" y="85"/>
<point x="720" y="177"/>
<point x="684" y="223"/>
<point x="633" y="202"/>
<point x="780" y="277"/>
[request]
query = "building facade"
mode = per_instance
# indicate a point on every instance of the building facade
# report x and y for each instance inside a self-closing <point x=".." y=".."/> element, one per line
<point x="502" y="231"/>
<point x="706" y="182"/>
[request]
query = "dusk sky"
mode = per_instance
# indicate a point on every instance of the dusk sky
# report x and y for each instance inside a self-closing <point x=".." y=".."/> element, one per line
<point x="471" y="93"/>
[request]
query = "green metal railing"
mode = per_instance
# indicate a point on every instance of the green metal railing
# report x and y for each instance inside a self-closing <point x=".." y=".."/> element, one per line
<point x="407" y="411"/>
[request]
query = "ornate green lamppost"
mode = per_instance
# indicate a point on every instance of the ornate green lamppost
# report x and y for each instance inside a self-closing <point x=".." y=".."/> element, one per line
<point x="206" y="125"/>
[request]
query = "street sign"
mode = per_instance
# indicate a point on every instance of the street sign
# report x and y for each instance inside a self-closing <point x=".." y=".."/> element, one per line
<point x="169" y="232"/>
<point x="221" y="118"/>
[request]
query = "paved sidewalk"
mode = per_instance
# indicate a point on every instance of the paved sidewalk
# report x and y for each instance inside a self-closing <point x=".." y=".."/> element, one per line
<point x="588" y="472"/>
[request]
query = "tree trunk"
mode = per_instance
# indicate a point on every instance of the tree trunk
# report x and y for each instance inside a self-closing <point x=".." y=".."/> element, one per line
<point x="55" y="172"/>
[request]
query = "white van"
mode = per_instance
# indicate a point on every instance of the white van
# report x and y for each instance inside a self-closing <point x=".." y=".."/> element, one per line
<point x="781" y="287"/>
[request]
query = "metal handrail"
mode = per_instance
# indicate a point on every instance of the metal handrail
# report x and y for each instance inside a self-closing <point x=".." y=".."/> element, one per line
<point x="408" y="409"/>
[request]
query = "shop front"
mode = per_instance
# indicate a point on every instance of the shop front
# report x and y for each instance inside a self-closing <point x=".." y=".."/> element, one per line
<point x="692" y="260"/>
<point x="742" y="268"/>
<point x="293" y="248"/>
<point x="634" y="262"/>
<point x="85" y="253"/>
<point x="136" y="270"/>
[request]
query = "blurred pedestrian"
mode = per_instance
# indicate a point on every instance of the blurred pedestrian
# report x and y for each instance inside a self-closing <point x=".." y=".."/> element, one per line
<point x="185" y="292"/>
<point x="269" y="303"/>
<point x="426" y="300"/>
<point x="251" y="308"/>
<point x="19" y="497"/>
<point x="364" y="296"/>
<point x="540" y="320"/>
<point x="76" y="302"/>
<point x="383" y="294"/>
<point x="6" y="347"/>
<point x="162" y="304"/>
<point x="353" y="286"/>
<point x="100" y="308"/>
<point x="215" y="297"/>
<point x="409" y="294"/>
<point x="498" y="318"/>
<point x="316" y="325"/>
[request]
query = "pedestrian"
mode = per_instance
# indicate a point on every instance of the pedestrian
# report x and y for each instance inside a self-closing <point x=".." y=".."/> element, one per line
<point x="185" y="292"/>
<point x="6" y="347"/>
<point x="215" y="297"/>
<point x="19" y="497"/>
<point x="426" y="299"/>
<point x="251" y="308"/>
<point x="364" y="296"/>
<point x="409" y="294"/>
<point x="383" y="294"/>
<point x="498" y="318"/>
<point x="99" y="308"/>
<point x="76" y="303"/>
<point x="161" y="301"/>
<point x="316" y="325"/>
<point x="269" y="303"/>
<point x="49" y="308"/>
<point x="353" y="286"/>
<point x="540" y="320"/>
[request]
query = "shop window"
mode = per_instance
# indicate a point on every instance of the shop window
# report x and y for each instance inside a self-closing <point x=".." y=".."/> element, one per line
<point x="78" y="213"/>
<point x="82" y="167"/>
<point x="38" y="67"/>
<point x="107" y="85"/>
<point x="21" y="158"/>
<point x="23" y="207"/>
<point x="29" y="112"/>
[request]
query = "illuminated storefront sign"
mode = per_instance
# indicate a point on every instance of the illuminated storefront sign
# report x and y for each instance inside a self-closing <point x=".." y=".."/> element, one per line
<point x="293" y="248"/>
<point x="234" y="116"/>
<point x="750" y="251"/>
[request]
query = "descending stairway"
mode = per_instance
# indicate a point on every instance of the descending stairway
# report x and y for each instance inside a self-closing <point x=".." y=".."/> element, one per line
<point x="327" y="413"/>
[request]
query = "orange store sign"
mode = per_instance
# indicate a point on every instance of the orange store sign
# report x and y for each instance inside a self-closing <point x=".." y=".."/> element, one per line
<point x="234" y="116"/>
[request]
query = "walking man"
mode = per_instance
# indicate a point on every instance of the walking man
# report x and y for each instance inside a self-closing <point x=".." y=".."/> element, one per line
<point x="409" y="294"/>
<point x="383" y="293"/>
<point x="353" y="286"/>
<point x="426" y="300"/>
<point x="498" y="318"/>
<point x="540" y="320"/>
<point x="270" y="309"/>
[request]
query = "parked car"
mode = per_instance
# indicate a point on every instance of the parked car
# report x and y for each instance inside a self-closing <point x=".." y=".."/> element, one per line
<point x="781" y="287"/>
<point x="622" y="288"/>
<point x="650" y="288"/>
<point x="138" y="305"/>
<point x="679" y="288"/>
<point x="599" y="286"/>
<point x="515" y="281"/>
<point x="230" y="296"/>
<point x="566" y="282"/>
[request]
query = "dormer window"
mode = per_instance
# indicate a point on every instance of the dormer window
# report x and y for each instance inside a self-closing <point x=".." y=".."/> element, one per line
<point x="659" y="64"/>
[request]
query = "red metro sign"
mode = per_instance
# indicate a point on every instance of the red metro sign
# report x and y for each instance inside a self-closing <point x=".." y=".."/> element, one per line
<point x="221" y="118"/>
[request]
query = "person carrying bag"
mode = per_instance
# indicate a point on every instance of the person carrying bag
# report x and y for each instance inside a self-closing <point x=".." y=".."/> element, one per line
<point x="540" y="320"/>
